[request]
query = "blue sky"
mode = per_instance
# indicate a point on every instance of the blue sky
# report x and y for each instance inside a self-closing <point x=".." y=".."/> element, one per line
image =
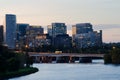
<point x="44" y="12"/>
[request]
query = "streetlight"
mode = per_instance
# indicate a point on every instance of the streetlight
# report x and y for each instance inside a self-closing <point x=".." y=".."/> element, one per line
<point x="113" y="47"/>
<point x="27" y="56"/>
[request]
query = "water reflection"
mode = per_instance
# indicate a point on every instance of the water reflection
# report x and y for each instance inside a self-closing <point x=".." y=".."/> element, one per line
<point x="95" y="71"/>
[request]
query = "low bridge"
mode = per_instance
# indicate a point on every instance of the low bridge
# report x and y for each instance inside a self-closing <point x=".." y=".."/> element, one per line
<point x="63" y="57"/>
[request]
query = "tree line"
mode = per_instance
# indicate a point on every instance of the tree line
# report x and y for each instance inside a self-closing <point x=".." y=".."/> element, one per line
<point x="113" y="57"/>
<point x="11" y="61"/>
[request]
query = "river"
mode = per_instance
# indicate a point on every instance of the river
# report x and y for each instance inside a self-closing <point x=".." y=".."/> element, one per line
<point x="91" y="71"/>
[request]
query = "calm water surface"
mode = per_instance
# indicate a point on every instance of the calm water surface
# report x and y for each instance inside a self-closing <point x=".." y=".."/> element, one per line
<point x="94" y="71"/>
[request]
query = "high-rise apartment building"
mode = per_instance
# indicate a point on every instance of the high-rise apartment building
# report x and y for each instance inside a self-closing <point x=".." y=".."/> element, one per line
<point x="10" y="30"/>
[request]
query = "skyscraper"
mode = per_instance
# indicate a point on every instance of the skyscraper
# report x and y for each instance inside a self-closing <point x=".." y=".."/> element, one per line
<point x="21" y="29"/>
<point x="81" y="28"/>
<point x="21" y="35"/>
<point x="58" y="29"/>
<point x="10" y="30"/>
<point x="84" y="36"/>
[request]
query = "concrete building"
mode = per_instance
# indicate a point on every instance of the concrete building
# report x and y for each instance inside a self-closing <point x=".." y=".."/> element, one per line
<point x="35" y="30"/>
<point x="32" y="32"/>
<point x="1" y="34"/>
<point x="42" y="40"/>
<point x="10" y="30"/>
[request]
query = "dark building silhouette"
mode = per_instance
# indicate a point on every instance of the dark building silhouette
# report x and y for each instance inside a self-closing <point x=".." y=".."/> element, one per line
<point x="21" y="30"/>
<point x="63" y="41"/>
<point x="21" y="35"/>
<point x="1" y="33"/>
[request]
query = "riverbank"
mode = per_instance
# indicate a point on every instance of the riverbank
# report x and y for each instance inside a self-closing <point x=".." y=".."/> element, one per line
<point x="90" y="71"/>
<point x="20" y="72"/>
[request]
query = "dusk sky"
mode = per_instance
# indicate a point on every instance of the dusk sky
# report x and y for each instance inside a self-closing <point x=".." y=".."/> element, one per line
<point x="44" y="12"/>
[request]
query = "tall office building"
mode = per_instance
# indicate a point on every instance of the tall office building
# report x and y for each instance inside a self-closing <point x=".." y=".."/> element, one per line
<point x="84" y="36"/>
<point x="58" y="29"/>
<point x="81" y="28"/>
<point x="21" y="35"/>
<point x="21" y="30"/>
<point x="1" y="33"/>
<point x="10" y="30"/>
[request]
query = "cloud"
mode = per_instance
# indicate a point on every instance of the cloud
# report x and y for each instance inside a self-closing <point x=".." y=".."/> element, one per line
<point x="106" y="26"/>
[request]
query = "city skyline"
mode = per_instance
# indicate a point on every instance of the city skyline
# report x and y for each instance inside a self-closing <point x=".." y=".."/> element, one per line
<point x="44" y="12"/>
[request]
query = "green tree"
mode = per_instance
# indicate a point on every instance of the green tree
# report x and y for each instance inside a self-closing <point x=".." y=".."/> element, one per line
<point x="115" y="53"/>
<point x="13" y="64"/>
<point x="113" y="57"/>
<point x="107" y="59"/>
<point x="3" y="66"/>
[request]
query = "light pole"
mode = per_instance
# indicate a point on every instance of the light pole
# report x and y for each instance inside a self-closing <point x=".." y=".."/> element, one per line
<point x="26" y="56"/>
<point x="113" y="47"/>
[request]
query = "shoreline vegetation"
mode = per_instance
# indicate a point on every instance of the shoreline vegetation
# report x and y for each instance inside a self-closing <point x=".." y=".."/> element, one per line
<point x="14" y="64"/>
<point x="20" y="72"/>
<point x="113" y="57"/>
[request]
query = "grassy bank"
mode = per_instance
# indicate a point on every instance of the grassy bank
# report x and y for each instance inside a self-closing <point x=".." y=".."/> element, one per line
<point x="20" y="72"/>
